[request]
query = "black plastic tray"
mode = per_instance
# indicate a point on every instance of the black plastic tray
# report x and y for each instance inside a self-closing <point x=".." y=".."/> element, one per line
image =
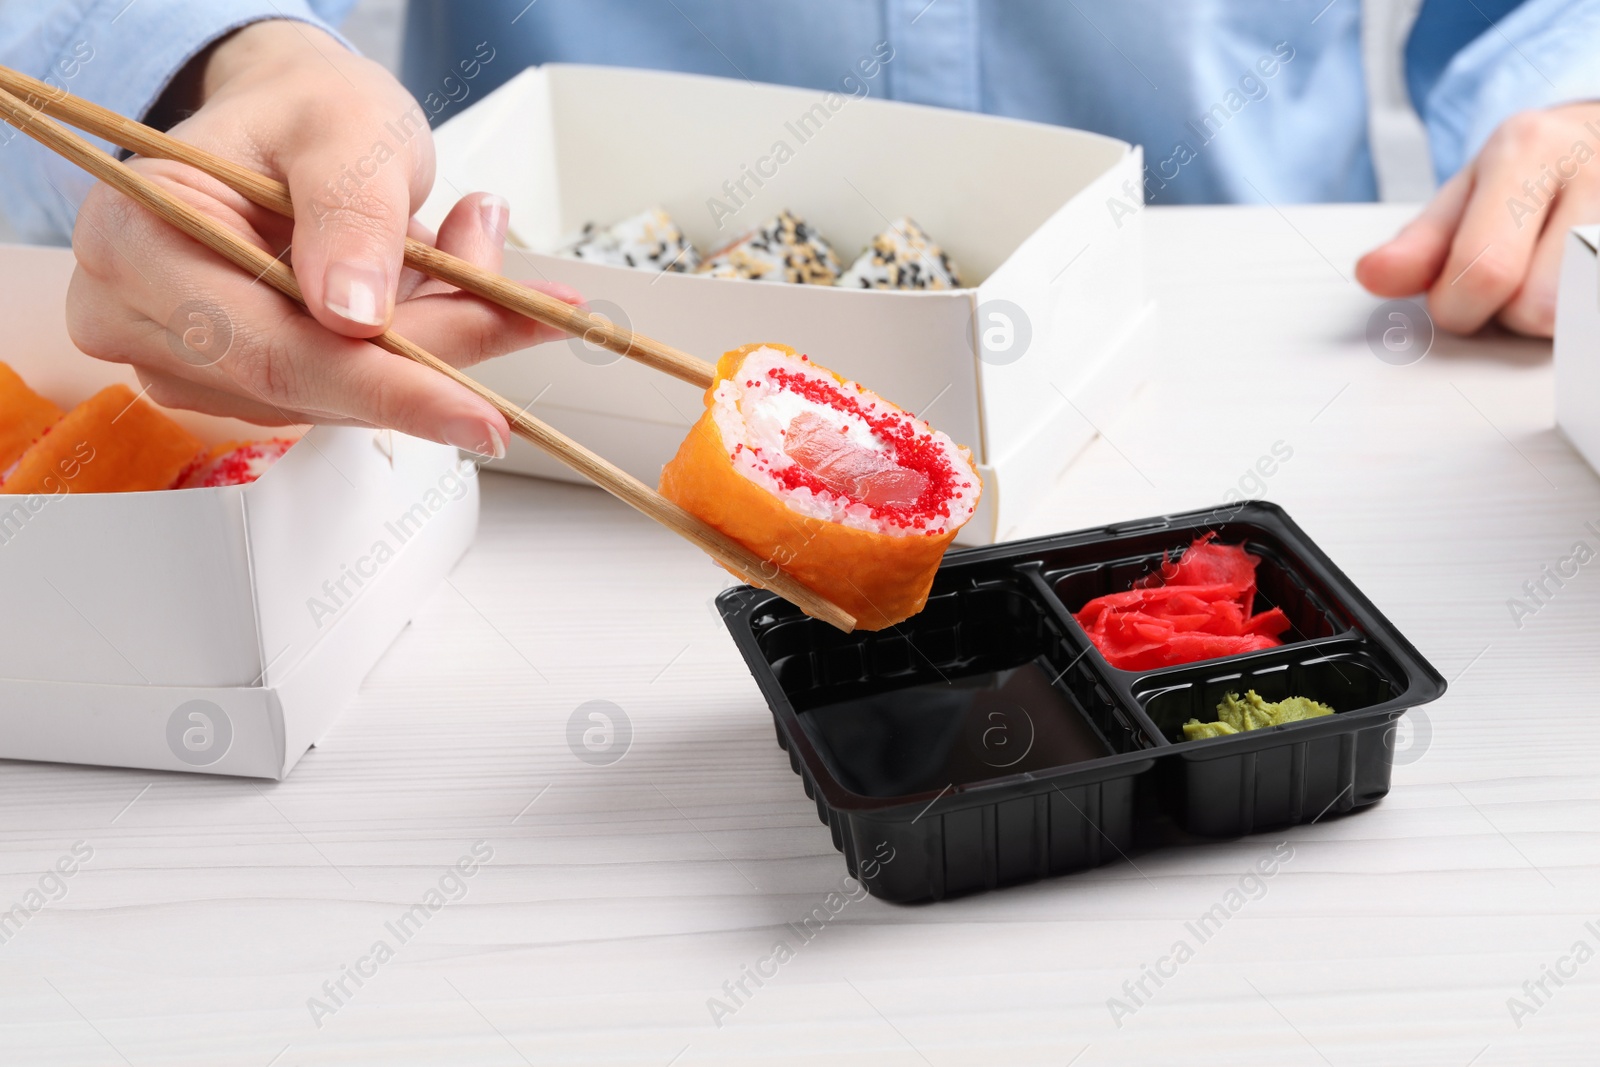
<point x="923" y="756"/>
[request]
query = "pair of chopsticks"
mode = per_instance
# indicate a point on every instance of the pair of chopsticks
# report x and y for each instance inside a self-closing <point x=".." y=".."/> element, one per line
<point x="24" y="103"/>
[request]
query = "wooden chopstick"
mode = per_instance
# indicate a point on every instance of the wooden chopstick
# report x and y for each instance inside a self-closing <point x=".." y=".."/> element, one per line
<point x="274" y="196"/>
<point x="243" y="254"/>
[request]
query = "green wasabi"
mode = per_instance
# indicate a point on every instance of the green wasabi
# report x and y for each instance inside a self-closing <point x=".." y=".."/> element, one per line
<point x="1236" y="715"/>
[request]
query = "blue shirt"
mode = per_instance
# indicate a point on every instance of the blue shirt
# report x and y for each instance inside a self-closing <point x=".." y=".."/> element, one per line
<point x="1232" y="100"/>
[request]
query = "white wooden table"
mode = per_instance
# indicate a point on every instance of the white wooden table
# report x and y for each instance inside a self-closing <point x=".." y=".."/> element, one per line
<point x="617" y="900"/>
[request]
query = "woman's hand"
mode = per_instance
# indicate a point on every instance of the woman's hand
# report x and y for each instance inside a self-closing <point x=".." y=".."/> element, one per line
<point x="1490" y="243"/>
<point x="286" y="99"/>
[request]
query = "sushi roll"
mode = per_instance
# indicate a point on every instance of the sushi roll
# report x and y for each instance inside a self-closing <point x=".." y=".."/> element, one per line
<point x="783" y="249"/>
<point x="649" y="240"/>
<point x="113" y="442"/>
<point x="902" y="257"/>
<point x="825" y="480"/>
<point x="24" y="418"/>
<point x="233" y="463"/>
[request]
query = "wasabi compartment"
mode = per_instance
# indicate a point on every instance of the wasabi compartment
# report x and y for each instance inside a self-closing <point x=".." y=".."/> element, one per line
<point x="1345" y="679"/>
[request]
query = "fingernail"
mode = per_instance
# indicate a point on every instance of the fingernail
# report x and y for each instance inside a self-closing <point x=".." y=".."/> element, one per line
<point x="494" y="211"/>
<point x="475" y="436"/>
<point x="357" y="291"/>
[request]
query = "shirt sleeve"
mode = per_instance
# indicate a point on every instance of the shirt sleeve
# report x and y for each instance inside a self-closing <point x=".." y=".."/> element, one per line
<point x="1541" y="55"/>
<point x="120" y="54"/>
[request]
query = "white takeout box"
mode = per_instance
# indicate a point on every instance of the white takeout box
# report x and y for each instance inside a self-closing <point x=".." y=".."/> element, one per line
<point x="1042" y="220"/>
<point x="1577" y="343"/>
<point x="210" y="630"/>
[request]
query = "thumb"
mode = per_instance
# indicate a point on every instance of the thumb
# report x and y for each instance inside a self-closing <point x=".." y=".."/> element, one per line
<point x="353" y="200"/>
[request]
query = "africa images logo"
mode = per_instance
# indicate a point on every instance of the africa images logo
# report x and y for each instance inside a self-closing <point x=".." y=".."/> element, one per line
<point x="599" y="732"/>
<point x="199" y="733"/>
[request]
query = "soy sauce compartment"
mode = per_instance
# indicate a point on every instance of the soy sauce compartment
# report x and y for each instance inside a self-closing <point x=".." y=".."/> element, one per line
<point x="978" y="687"/>
<point x="1346" y="677"/>
<point x="1077" y="576"/>
<point x="955" y="734"/>
<point x="975" y="627"/>
<point x="926" y="792"/>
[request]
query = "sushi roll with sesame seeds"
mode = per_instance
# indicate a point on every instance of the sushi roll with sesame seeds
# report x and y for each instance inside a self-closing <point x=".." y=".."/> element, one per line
<point x="649" y="240"/>
<point x="782" y="249"/>
<point x="902" y="257"/>
<point x="825" y="480"/>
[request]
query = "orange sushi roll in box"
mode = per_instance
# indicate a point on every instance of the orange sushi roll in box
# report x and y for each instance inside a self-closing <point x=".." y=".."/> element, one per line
<point x="24" y="417"/>
<point x="113" y="442"/>
<point x="825" y="480"/>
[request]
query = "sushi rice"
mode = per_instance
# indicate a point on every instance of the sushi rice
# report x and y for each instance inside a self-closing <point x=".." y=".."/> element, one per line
<point x="649" y="240"/>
